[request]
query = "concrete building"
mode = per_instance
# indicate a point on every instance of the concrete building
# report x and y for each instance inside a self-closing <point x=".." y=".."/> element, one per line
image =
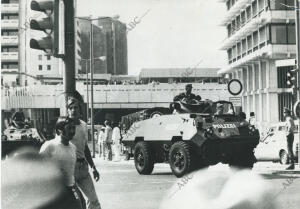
<point x="260" y="32"/>
<point x="20" y="64"/>
<point x="116" y="45"/>
<point x="10" y="58"/>
<point x="99" y="47"/>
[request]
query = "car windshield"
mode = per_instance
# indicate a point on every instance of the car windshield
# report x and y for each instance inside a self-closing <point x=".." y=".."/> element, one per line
<point x="223" y="108"/>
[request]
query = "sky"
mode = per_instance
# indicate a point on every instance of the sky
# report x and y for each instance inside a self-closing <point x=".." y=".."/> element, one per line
<point x="170" y="33"/>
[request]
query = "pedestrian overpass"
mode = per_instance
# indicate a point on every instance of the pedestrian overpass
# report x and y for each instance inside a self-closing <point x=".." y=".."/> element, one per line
<point x="107" y="96"/>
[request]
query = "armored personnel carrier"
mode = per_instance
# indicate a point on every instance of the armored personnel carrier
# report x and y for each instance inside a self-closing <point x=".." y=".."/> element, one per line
<point x="194" y="134"/>
<point x="14" y="138"/>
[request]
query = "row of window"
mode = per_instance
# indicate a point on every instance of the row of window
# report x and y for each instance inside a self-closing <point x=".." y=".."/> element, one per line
<point x="9" y="65"/>
<point x="9" y="1"/>
<point x="269" y="34"/>
<point x="255" y="9"/>
<point x="40" y="57"/>
<point x="9" y="49"/>
<point x="41" y="67"/>
<point x="272" y="4"/>
<point x="9" y="16"/>
<point x="9" y="32"/>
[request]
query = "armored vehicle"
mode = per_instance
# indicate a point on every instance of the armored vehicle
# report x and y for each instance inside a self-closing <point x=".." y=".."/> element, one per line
<point x="192" y="135"/>
<point x="14" y="138"/>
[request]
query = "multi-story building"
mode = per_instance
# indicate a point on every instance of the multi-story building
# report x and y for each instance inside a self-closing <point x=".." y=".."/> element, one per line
<point x="116" y="45"/>
<point x="10" y="42"/>
<point x="99" y="47"/>
<point x="259" y="33"/>
<point x="20" y="64"/>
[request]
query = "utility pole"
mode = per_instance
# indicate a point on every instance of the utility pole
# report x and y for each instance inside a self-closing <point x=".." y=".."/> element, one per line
<point x="297" y="21"/>
<point x="69" y="58"/>
<point x="92" y="85"/>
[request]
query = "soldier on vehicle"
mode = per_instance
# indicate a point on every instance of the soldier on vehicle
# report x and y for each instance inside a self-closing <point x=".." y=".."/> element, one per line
<point x="188" y="95"/>
<point x="220" y="109"/>
<point x="290" y="127"/>
<point x="18" y="119"/>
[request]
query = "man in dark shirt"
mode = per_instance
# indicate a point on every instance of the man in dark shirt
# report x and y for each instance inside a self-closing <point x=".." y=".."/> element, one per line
<point x="18" y="119"/>
<point x="187" y="95"/>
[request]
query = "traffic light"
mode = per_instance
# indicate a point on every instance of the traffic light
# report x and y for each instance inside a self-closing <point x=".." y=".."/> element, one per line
<point x="292" y="78"/>
<point x="52" y="24"/>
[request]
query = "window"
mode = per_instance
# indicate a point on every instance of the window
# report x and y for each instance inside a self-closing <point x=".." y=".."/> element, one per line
<point x="229" y="30"/>
<point x="233" y="26"/>
<point x="278" y="34"/>
<point x="261" y="5"/>
<point x="243" y="18"/>
<point x="238" y="22"/>
<point x="40" y="67"/>
<point x="229" y="53"/>
<point x="255" y="39"/>
<point x="248" y="13"/>
<point x="48" y="67"/>
<point x="262" y="34"/>
<point x="48" y="57"/>
<point x="254" y="8"/>
<point x="244" y="46"/>
<point x="239" y="50"/>
<point x="291" y="34"/>
<point x="40" y="57"/>
<point x="228" y="4"/>
<point x="281" y="4"/>
<point x="249" y="42"/>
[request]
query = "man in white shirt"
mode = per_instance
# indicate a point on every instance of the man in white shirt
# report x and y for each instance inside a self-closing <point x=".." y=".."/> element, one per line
<point x="101" y="142"/>
<point x="63" y="152"/>
<point x="116" y="137"/>
<point x="108" y="139"/>
<point x="290" y="127"/>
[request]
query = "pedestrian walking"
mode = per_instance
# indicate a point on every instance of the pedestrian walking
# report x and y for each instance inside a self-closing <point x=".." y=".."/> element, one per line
<point x="108" y="139"/>
<point x="116" y="138"/>
<point x="101" y="143"/>
<point x="83" y="156"/>
<point x="63" y="152"/>
<point x="290" y="127"/>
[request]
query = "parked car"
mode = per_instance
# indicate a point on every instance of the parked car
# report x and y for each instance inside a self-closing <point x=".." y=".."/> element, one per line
<point x="273" y="146"/>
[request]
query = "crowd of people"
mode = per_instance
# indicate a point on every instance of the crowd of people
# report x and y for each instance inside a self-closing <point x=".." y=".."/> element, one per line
<point x="109" y="141"/>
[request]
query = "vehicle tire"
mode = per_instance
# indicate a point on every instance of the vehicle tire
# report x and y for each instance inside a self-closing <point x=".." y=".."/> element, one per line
<point x="142" y="158"/>
<point x="155" y="114"/>
<point x="127" y="155"/>
<point x="180" y="158"/>
<point x="284" y="157"/>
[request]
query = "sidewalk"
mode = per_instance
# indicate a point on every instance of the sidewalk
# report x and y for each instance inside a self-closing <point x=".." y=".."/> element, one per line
<point x="275" y="168"/>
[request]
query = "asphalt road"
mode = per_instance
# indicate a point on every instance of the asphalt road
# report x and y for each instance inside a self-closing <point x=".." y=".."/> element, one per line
<point x="123" y="188"/>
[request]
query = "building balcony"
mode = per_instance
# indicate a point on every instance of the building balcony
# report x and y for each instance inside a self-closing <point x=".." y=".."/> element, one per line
<point x="260" y="52"/>
<point x="9" y="40"/>
<point x="10" y="24"/>
<point x="235" y="10"/>
<point x="253" y="25"/>
<point x="9" y="8"/>
<point x="10" y="70"/>
<point x="9" y="56"/>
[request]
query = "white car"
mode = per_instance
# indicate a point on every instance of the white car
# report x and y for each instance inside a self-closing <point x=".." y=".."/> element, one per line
<point x="273" y="146"/>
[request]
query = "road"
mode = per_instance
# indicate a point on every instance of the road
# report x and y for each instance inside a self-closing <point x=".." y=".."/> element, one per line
<point x="123" y="188"/>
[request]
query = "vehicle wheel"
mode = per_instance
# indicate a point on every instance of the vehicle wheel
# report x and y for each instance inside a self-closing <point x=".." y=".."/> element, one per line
<point x="155" y="114"/>
<point x="180" y="158"/>
<point x="244" y="160"/>
<point x="127" y="155"/>
<point x="284" y="157"/>
<point x="142" y="158"/>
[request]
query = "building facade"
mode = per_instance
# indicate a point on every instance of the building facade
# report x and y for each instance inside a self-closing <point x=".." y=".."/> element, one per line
<point x="116" y="45"/>
<point x="20" y="64"/>
<point x="260" y="32"/>
<point x="10" y="42"/>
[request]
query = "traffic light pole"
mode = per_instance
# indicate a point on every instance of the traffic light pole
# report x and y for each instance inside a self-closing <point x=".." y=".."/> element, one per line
<point x="92" y="86"/>
<point x="69" y="58"/>
<point x="297" y="21"/>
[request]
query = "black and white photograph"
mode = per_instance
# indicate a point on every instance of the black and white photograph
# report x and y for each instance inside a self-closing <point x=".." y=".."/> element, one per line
<point x="150" y="104"/>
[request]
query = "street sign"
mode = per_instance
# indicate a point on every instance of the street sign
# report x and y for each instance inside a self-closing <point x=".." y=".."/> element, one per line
<point x="235" y="87"/>
<point x="297" y="109"/>
<point x="236" y="101"/>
